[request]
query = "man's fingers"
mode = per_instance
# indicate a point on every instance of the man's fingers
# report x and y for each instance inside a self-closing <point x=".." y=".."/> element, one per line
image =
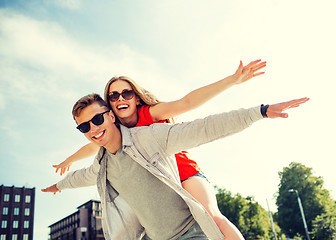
<point x="294" y="103"/>
<point x="284" y="115"/>
<point x="300" y="100"/>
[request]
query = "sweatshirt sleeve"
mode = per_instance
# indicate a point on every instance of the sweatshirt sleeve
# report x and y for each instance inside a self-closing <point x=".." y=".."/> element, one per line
<point x="187" y="135"/>
<point x="80" y="178"/>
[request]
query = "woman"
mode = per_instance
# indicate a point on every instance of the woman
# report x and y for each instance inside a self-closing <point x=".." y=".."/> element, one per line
<point x="134" y="106"/>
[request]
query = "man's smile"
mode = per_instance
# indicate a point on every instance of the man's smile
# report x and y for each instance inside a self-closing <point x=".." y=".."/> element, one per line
<point x="99" y="135"/>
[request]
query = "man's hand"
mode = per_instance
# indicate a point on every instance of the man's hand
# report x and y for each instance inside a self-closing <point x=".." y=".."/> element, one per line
<point x="276" y="110"/>
<point x="52" y="189"/>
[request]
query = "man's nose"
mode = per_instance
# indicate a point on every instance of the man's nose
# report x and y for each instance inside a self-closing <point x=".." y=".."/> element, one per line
<point x="93" y="127"/>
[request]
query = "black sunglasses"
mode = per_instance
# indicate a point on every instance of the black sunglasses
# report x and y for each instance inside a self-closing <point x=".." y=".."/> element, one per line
<point x="97" y="120"/>
<point x="126" y="94"/>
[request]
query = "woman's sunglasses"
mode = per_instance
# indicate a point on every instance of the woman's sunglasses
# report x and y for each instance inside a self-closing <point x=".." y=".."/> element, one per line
<point x="126" y="94"/>
<point x="97" y="120"/>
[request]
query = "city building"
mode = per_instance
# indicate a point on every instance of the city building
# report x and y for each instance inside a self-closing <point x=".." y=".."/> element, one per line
<point x="85" y="224"/>
<point x="16" y="213"/>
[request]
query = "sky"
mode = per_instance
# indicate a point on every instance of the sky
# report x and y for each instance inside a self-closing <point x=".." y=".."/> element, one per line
<point x="52" y="52"/>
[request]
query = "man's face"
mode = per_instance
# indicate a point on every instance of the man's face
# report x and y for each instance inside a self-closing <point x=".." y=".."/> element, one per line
<point x="102" y="134"/>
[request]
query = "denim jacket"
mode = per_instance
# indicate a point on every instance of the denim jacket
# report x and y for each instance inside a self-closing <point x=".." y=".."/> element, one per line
<point x="153" y="147"/>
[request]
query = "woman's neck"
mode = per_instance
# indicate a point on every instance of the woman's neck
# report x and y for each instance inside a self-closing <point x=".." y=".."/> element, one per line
<point x="129" y="121"/>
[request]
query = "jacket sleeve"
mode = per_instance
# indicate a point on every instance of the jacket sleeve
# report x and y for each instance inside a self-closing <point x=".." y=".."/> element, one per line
<point x="187" y="135"/>
<point x="80" y="178"/>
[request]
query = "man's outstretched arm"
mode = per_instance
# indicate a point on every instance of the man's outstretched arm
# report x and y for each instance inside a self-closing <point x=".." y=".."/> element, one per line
<point x="192" y="134"/>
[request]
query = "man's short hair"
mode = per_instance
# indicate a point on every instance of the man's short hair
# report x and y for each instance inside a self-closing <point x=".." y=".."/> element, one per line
<point x="87" y="101"/>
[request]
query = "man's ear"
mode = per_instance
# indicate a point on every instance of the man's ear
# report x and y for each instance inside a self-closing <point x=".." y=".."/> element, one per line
<point x="111" y="114"/>
<point x="75" y="118"/>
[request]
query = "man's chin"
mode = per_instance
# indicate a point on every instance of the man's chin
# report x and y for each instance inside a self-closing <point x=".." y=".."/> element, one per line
<point x="100" y="141"/>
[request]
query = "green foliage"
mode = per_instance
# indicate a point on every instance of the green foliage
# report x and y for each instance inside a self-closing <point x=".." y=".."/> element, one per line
<point x="314" y="198"/>
<point x="297" y="237"/>
<point x="230" y="206"/>
<point x="324" y="226"/>
<point x="254" y="222"/>
<point x="246" y="214"/>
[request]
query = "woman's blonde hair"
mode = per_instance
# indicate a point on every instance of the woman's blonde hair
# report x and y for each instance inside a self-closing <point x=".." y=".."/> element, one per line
<point x="146" y="97"/>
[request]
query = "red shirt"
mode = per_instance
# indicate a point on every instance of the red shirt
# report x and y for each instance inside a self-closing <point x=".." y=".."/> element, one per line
<point x="186" y="166"/>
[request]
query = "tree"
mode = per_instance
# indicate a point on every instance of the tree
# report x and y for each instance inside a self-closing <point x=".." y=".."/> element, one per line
<point x="314" y="198"/>
<point x="230" y="206"/>
<point x="245" y="213"/>
<point x="324" y="227"/>
<point x="256" y="220"/>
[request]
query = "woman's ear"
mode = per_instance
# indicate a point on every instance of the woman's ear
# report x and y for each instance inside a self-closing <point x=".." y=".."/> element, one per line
<point x="137" y="100"/>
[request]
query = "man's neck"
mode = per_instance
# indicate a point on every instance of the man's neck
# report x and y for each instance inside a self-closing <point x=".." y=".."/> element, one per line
<point x="114" y="145"/>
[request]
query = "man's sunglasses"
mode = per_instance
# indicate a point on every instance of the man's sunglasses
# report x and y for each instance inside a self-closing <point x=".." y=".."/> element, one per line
<point x="126" y="94"/>
<point x="97" y="120"/>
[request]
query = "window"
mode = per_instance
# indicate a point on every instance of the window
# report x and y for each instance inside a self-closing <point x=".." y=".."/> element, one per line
<point x="15" y="224"/>
<point x="25" y="236"/>
<point x="14" y="237"/>
<point x="6" y="197"/>
<point x="5" y="211"/>
<point x="27" y="212"/>
<point x="27" y="198"/>
<point x="4" y="224"/>
<point x="16" y="211"/>
<point x="3" y="237"/>
<point x="26" y="224"/>
<point x="17" y="198"/>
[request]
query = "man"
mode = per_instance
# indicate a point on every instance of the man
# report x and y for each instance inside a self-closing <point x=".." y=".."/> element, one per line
<point x="137" y="179"/>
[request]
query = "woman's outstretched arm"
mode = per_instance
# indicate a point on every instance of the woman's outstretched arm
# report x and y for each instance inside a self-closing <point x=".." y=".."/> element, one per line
<point x="88" y="150"/>
<point x="194" y="99"/>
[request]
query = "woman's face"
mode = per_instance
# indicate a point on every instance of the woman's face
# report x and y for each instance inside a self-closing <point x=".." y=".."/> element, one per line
<point x="125" y="110"/>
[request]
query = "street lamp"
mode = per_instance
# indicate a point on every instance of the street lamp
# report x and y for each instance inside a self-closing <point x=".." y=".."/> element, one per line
<point x="301" y="210"/>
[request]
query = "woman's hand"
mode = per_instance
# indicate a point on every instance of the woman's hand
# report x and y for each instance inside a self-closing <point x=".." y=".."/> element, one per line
<point x="52" y="189"/>
<point x="64" y="166"/>
<point x="244" y="74"/>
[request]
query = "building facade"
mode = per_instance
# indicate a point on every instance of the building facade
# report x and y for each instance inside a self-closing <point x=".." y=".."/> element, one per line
<point x="17" y="213"/>
<point x="85" y="224"/>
